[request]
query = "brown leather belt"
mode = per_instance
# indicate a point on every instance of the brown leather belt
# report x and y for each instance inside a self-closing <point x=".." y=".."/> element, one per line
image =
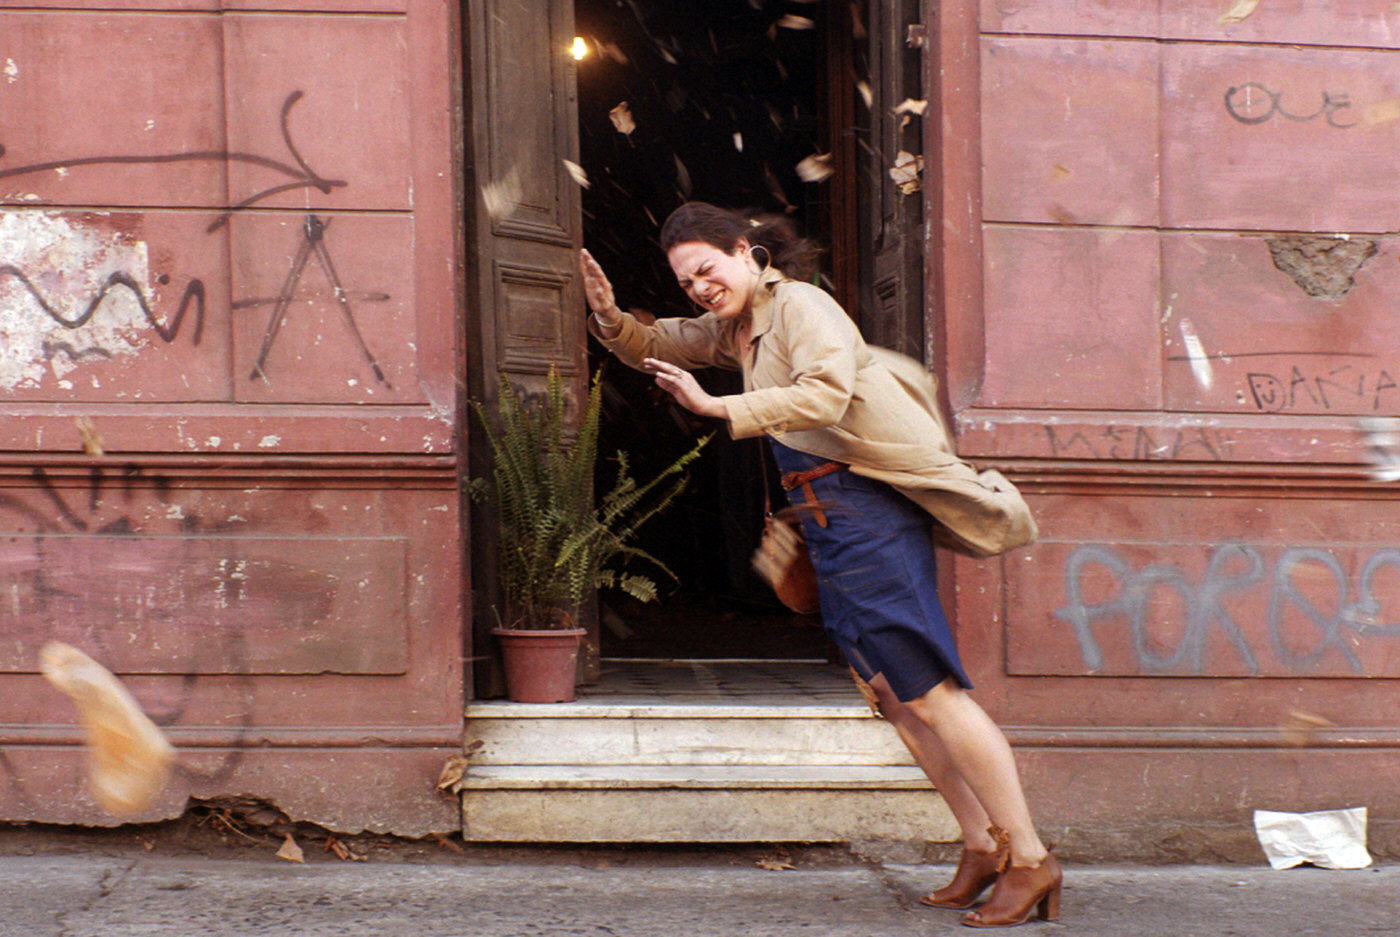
<point x="803" y="480"/>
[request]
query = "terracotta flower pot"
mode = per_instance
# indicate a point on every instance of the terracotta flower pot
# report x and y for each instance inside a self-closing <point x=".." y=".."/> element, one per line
<point x="539" y="665"/>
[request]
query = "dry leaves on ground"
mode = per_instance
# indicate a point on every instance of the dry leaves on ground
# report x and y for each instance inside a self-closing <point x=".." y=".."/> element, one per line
<point x="342" y="851"/>
<point x="291" y="851"/>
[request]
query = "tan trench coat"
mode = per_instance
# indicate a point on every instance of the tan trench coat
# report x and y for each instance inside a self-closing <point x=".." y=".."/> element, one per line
<point x="812" y="383"/>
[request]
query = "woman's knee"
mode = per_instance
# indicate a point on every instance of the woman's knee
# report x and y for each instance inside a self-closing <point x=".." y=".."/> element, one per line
<point x="940" y="702"/>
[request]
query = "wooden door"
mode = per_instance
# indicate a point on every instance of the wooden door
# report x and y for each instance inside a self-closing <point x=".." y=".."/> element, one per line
<point x="524" y="303"/>
<point x="891" y="212"/>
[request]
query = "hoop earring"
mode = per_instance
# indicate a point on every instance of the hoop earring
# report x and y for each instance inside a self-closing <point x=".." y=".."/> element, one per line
<point x="767" y="256"/>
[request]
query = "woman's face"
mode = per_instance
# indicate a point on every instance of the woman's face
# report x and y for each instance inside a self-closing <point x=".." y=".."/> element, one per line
<point x="720" y="283"/>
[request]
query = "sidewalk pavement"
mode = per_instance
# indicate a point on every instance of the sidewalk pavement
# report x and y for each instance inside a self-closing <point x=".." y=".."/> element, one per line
<point x="702" y="895"/>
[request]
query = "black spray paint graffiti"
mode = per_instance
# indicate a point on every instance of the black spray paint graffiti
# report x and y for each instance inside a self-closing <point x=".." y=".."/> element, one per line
<point x="313" y="242"/>
<point x="1253" y="103"/>
<point x="229" y="646"/>
<point x="194" y="293"/>
<point x="1139" y="443"/>
<point x="1233" y="570"/>
<point x="303" y="176"/>
<point x="1341" y="387"/>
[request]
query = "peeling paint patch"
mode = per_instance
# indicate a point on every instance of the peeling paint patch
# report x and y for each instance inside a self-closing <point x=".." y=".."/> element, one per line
<point x="66" y="259"/>
<point x="1324" y="267"/>
<point x="11" y="71"/>
<point x="268" y="442"/>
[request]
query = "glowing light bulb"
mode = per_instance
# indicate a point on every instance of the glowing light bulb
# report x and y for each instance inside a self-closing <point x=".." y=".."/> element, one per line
<point x="580" y="48"/>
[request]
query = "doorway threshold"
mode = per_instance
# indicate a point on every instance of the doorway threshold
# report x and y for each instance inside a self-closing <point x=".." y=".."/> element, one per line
<point x="719" y="687"/>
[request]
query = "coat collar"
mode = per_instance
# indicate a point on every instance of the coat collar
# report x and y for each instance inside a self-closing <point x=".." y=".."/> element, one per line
<point x="762" y="310"/>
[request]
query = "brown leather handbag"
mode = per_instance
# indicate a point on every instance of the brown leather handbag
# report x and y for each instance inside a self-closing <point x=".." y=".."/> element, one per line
<point x="782" y="558"/>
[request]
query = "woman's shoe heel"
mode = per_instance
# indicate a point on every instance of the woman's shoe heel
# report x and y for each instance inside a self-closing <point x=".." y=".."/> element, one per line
<point x="1020" y="892"/>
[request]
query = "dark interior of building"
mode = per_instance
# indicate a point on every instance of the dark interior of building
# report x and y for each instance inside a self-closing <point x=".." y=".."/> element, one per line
<point x="716" y="101"/>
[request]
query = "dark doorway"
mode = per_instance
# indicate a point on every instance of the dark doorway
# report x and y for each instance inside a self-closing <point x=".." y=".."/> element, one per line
<point x="718" y="101"/>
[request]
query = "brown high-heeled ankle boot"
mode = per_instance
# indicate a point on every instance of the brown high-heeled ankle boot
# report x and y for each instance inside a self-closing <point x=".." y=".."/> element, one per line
<point x="1019" y="891"/>
<point x="976" y="871"/>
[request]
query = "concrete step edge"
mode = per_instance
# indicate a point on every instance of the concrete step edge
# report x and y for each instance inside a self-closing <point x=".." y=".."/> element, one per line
<point x="718" y="777"/>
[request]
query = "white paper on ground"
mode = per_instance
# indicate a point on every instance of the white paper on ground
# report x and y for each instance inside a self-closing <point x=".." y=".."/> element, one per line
<point x="1331" y="839"/>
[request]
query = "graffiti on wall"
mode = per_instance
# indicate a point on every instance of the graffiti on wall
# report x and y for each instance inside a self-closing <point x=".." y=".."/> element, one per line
<point x="1139" y="443"/>
<point x="103" y="277"/>
<point x="1303" y="610"/>
<point x="1254" y="103"/>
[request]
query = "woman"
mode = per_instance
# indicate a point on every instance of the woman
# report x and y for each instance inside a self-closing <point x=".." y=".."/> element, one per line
<point x="857" y="439"/>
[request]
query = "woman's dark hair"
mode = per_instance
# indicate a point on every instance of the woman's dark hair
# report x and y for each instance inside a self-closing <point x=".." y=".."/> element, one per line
<point x="722" y="228"/>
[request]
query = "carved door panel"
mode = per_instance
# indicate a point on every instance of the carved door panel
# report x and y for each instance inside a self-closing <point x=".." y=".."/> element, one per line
<point x="524" y="303"/>
<point x="891" y="214"/>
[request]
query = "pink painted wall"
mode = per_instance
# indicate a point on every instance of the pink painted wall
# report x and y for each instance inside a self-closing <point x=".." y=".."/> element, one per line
<point x="228" y="244"/>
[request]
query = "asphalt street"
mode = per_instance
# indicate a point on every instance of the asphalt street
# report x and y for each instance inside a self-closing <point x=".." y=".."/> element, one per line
<point x="708" y="895"/>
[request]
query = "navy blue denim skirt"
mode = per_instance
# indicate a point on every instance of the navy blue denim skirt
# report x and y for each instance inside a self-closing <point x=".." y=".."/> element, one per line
<point x="877" y="577"/>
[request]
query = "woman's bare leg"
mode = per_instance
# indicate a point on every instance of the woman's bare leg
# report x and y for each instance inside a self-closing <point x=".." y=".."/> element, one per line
<point x="930" y="755"/>
<point x="980" y="754"/>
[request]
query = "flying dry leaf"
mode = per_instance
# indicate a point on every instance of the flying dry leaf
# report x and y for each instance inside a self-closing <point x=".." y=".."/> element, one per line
<point x="739" y="142"/>
<point x="815" y="168"/>
<point x="910" y="106"/>
<point x="453" y="771"/>
<point x="1241" y="10"/>
<point x="92" y="443"/>
<point x="792" y="21"/>
<point x="577" y="173"/>
<point x="611" y="51"/>
<point x="866" y="94"/>
<point x="291" y="851"/>
<point x="503" y="195"/>
<point x="1298" y="728"/>
<point x="682" y="177"/>
<point x="1382" y="112"/>
<point x="621" y="117"/>
<point x="905" y="173"/>
<point x="774" y="865"/>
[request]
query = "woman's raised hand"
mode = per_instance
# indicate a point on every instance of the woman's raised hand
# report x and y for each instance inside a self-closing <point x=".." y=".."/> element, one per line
<point x="597" y="290"/>
<point x="681" y="385"/>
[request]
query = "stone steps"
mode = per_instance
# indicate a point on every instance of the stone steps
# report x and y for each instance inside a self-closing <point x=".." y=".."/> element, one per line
<point x="666" y="765"/>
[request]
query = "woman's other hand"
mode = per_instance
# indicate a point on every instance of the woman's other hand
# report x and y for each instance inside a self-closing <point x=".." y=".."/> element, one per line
<point x="681" y="385"/>
<point x="598" y="291"/>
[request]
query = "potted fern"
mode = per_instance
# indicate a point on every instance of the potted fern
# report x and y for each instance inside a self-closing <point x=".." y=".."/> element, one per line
<point x="557" y="542"/>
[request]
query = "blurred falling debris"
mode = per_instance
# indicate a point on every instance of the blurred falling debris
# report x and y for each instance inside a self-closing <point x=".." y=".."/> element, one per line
<point x="576" y="171"/>
<point x="857" y="20"/>
<point x="1382" y="436"/>
<point x="611" y="51"/>
<point x="776" y="187"/>
<point x="792" y="21"/>
<point x="1299" y="726"/>
<point x="683" y="179"/>
<point x="866" y="95"/>
<point x="1196" y="354"/>
<point x="503" y="195"/>
<point x="906" y="172"/>
<point x="1240" y="11"/>
<point x="92" y="442"/>
<point x="815" y="168"/>
<point x="911" y="106"/>
<point x="1382" y="112"/>
<point x="738" y="141"/>
<point x="621" y="117"/>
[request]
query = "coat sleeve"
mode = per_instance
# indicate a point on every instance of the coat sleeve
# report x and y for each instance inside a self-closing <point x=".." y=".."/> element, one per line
<point x="686" y="343"/>
<point x="819" y="341"/>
